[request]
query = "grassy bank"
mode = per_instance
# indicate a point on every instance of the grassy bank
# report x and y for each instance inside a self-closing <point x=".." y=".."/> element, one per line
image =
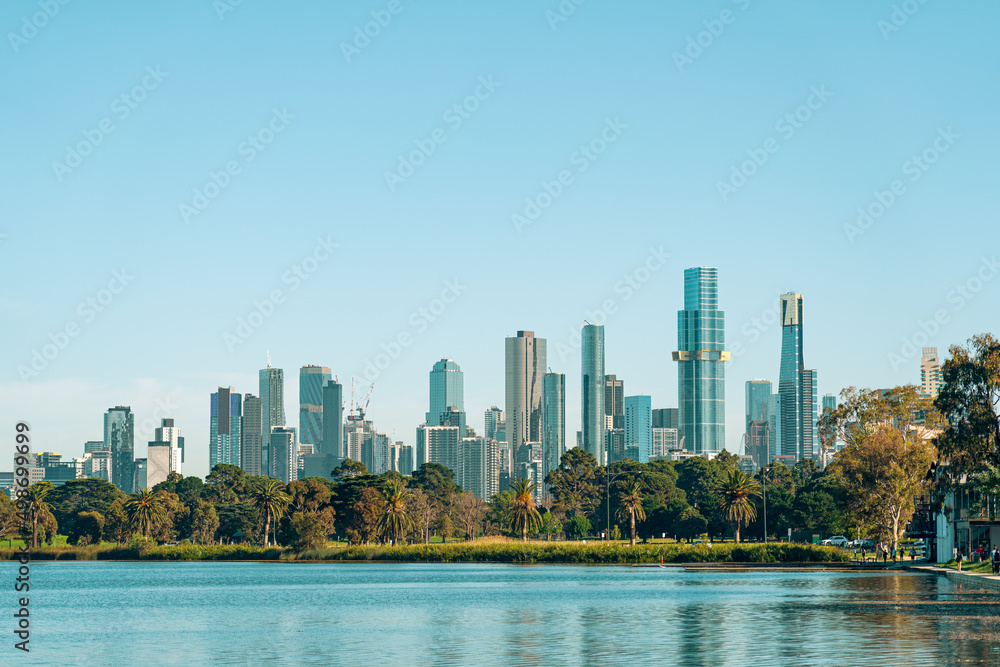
<point x="464" y="552"/>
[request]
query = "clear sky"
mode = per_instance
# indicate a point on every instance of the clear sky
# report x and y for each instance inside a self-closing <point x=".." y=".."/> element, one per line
<point x="211" y="157"/>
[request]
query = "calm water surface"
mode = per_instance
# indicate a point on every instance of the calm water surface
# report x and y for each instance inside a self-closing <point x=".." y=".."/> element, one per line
<point x="324" y="614"/>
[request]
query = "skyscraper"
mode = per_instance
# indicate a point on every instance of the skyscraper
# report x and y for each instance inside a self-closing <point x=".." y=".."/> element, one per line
<point x="119" y="434"/>
<point x="169" y="435"/>
<point x="272" y="396"/>
<point x="447" y="390"/>
<point x="333" y="423"/>
<point x="311" y="381"/>
<point x="285" y="464"/>
<point x="524" y="367"/>
<point x="553" y="421"/>
<point x="224" y="428"/>
<point x="930" y="373"/>
<point x="614" y="419"/>
<point x="638" y="426"/>
<point x="251" y="434"/>
<point x="796" y="385"/>
<point x="592" y="391"/>
<point x="758" y="393"/>
<point x="701" y="376"/>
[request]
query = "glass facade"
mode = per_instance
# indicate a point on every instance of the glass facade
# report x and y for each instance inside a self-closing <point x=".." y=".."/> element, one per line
<point x="225" y="428"/>
<point x="525" y="364"/>
<point x="447" y="390"/>
<point x="251" y="434"/>
<point x="272" y="395"/>
<point x="592" y="408"/>
<point x="701" y="379"/>
<point x="119" y="438"/>
<point x="797" y="387"/>
<point x="638" y="428"/>
<point x="311" y="381"/>
<point x="333" y="423"/>
<point x="553" y="421"/>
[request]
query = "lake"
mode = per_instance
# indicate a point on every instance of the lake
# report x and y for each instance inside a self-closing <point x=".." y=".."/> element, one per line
<point x="117" y="613"/>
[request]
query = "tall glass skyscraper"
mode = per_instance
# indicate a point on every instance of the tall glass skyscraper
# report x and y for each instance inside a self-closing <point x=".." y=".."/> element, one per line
<point x="797" y="387"/>
<point x="701" y="376"/>
<point x="225" y="428"/>
<point x="251" y="434"/>
<point x="119" y="439"/>
<point x="758" y="393"/>
<point x="592" y="391"/>
<point x="553" y="421"/>
<point x="311" y="380"/>
<point x="524" y="367"/>
<point x="272" y="395"/>
<point x="333" y="423"/>
<point x="638" y="428"/>
<point x="447" y="390"/>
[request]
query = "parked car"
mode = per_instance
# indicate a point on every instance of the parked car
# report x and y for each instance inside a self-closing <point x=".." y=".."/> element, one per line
<point x="835" y="541"/>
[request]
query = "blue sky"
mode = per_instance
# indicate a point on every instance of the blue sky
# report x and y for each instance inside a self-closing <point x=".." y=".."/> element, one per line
<point x="301" y="136"/>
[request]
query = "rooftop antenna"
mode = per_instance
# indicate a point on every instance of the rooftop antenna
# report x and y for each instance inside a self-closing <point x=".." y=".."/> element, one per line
<point x="269" y="358"/>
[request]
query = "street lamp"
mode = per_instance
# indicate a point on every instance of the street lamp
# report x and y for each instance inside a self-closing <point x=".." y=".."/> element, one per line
<point x="608" y="479"/>
<point x="763" y="479"/>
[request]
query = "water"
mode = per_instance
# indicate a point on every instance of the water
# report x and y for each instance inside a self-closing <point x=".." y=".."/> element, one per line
<point x="101" y="613"/>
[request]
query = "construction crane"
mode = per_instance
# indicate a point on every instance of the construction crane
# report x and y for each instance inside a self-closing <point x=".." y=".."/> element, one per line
<point x="368" y="397"/>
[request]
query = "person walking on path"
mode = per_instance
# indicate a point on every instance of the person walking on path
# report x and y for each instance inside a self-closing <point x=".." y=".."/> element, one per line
<point x="995" y="560"/>
<point x="958" y="559"/>
<point x="885" y="555"/>
<point x="864" y="554"/>
<point x="894" y="553"/>
<point x="979" y="553"/>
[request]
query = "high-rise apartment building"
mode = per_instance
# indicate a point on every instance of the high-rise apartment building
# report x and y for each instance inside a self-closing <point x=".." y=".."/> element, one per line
<point x="758" y="393"/>
<point x="592" y="392"/>
<point x="797" y="386"/>
<point x="443" y="445"/>
<point x="553" y="421"/>
<point x="447" y="390"/>
<point x="252" y="434"/>
<point x="666" y="418"/>
<point x="614" y="419"/>
<point x="163" y="454"/>
<point x="272" y="396"/>
<point x="311" y="381"/>
<point x="525" y="364"/>
<point x="700" y="355"/>
<point x="638" y="424"/>
<point x="224" y="428"/>
<point x="930" y="373"/>
<point x="119" y="438"/>
<point x="285" y="454"/>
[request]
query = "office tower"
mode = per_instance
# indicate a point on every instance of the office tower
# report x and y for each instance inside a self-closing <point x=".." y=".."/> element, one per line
<point x="700" y="355"/>
<point x="453" y="417"/>
<point x="167" y="432"/>
<point x="758" y="393"/>
<point x="358" y="433"/>
<point x="930" y="373"/>
<point x="829" y="403"/>
<point x="119" y="433"/>
<point x="139" y="480"/>
<point x="796" y="385"/>
<point x="92" y="446"/>
<point x="481" y="474"/>
<point x="224" y="430"/>
<point x="447" y="390"/>
<point x="440" y="444"/>
<point x="524" y="367"/>
<point x="99" y="465"/>
<point x="375" y="454"/>
<point x="664" y="440"/>
<point x="553" y="421"/>
<point x="614" y="419"/>
<point x="333" y="422"/>
<point x="493" y="421"/>
<point x="252" y="434"/>
<point x="311" y="381"/>
<point x="773" y="427"/>
<point x="666" y="418"/>
<point x="757" y="443"/>
<point x="158" y="458"/>
<point x="272" y="395"/>
<point x="284" y="454"/>
<point x="404" y="460"/>
<point x="592" y="391"/>
<point x="638" y="428"/>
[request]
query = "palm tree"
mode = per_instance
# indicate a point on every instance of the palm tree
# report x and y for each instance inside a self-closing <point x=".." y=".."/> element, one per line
<point x="395" y="518"/>
<point x="522" y="515"/>
<point x="736" y="494"/>
<point x="143" y="511"/>
<point x="630" y="505"/>
<point x="37" y="506"/>
<point x="270" y="499"/>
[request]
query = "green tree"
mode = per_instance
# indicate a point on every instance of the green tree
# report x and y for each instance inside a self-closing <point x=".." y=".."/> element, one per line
<point x="575" y="486"/>
<point x="523" y="516"/>
<point x="630" y="506"/>
<point x="204" y="522"/>
<point x="364" y="516"/>
<point x="116" y="525"/>
<point x="74" y="496"/>
<point x="421" y="511"/>
<point x="445" y="526"/>
<point x="225" y="484"/>
<point x="395" y="521"/>
<point x="803" y="471"/>
<point x="349" y="468"/>
<point x="578" y="527"/>
<point x="467" y="509"/>
<point x="986" y="483"/>
<point x="550" y="524"/>
<point x="37" y="507"/>
<point x="143" y="511"/>
<point x="736" y="494"/>
<point x="690" y="523"/>
<point x="240" y="519"/>
<point x="9" y="517"/>
<point x="87" y="529"/>
<point x="969" y="400"/>
<point x="312" y="528"/>
<point x="270" y="500"/>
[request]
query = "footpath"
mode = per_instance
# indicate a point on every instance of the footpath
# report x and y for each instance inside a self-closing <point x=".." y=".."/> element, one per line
<point x="967" y="579"/>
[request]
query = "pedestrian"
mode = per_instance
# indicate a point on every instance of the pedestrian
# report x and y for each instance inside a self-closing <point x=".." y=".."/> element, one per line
<point x="893" y="553"/>
<point x="958" y="559"/>
<point x="864" y="553"/>
<point x="995" y="559"/>
<point x="979" y="553"/>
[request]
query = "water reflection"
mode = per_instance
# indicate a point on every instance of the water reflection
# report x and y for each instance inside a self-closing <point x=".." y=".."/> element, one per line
<point x="243" y="613"/>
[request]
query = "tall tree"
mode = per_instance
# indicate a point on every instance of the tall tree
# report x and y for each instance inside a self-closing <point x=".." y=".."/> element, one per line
<point x="970" y="401"/>
<point x="736" y="494"/>
<point x="270" y="500"/>
<point x="574" y="486"/>
<point x="87" y="529"/>
<point x="421" y="510"/>
<point x="143" y="511"/>
<point x="365" y="515"/>
<point x="630" y="506"/>
<point x="395" y="519"/>
<point x="37" y="507"/>
<point x="467" y="509"/>
<point x="204" y="522"/>
<point x="523" y="516"/>
<point x="349" y="468"/>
